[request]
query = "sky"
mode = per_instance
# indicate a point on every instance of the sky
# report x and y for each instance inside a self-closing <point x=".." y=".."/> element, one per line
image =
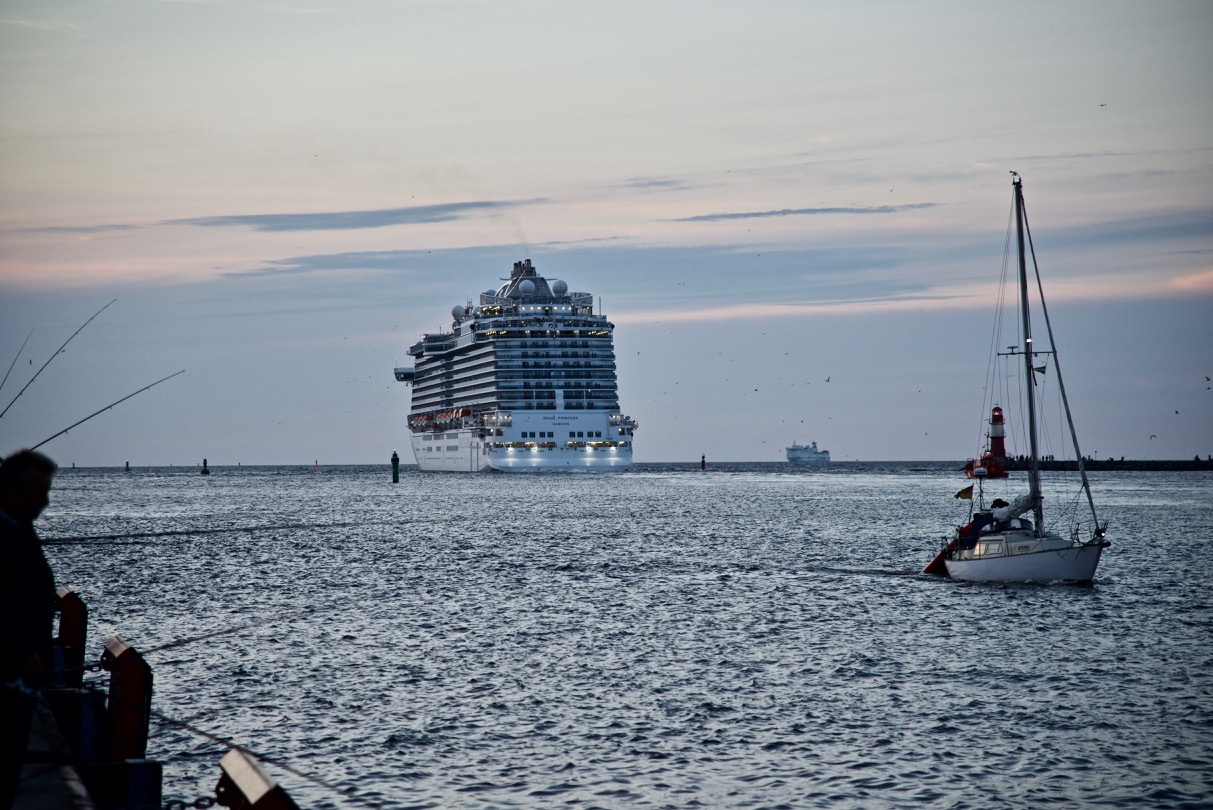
<point x="280" y="197"/>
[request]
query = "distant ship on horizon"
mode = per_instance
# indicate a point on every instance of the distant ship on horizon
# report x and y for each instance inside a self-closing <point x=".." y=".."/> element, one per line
<point x="524" y="382"/>
<point x="807" y="454"/>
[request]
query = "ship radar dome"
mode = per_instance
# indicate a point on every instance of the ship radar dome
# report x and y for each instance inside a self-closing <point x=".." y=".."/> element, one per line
<point x="457" y="312"/>
<point x="559" y="287"/>
<point x="527" y="287"/>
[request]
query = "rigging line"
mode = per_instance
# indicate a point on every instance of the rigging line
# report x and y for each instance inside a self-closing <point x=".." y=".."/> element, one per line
<point x="15" y="359"/>
<point x="1061" y="386"/>
<point x="343" y="792"/>
<point x="106" y="408"/>
<point x="93" y="538"/>
<point x="52" y="357"/>
<point x="993" y="389"/>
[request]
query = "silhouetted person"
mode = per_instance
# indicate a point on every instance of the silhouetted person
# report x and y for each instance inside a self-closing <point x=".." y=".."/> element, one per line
<point x="27" y="607"/>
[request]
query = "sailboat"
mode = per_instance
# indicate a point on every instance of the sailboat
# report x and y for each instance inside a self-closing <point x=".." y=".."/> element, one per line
<point x="1009" y="542"/>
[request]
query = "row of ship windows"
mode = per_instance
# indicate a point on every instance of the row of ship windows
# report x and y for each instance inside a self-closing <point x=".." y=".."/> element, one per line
<point x="587" y="446"/>
<point x="572" y="400"/>
<point x="519" y="388"/>
<point x="573" y="434"/>
<point x="454" y="448"/>
<point x="537" y="338"/>
<point x="522" y="371"/>
<point x="504" y="355"/>
<point x="502" y="344"/>
<point x="517" y="371"/>
<point x="508" y="403"/>
<point x="589" y="405"/>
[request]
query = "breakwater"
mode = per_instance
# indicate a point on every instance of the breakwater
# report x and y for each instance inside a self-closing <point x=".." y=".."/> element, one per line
<point x="1127" y="465"/>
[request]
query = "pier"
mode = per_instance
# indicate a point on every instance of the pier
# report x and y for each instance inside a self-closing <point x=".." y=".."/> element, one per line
<point x="1112" y="464"/>
<point x="87" y="747"/>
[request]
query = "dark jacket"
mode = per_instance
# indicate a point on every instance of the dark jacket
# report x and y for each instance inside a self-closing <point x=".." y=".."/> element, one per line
<point x="27" y="597"/>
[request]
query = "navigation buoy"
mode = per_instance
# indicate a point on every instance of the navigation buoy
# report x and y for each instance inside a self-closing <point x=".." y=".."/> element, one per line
<point x="395" y="468"/>
<point x="205" y="471"/>
<point x="703" y="461"/>
<point x="128" y="466"/>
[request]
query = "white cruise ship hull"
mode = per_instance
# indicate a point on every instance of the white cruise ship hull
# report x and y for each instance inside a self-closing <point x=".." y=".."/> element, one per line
<point x="469" y="449"/>
<point x="453" y="451"/>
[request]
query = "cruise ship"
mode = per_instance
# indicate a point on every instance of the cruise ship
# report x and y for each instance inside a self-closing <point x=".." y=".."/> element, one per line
<point x="523" y="382"/>
<point x="807" y="454"/>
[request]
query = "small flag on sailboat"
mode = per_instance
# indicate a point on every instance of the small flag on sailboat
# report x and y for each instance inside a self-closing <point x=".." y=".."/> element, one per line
<point x="965" y="494"/>
<point x="1038" y="370"/>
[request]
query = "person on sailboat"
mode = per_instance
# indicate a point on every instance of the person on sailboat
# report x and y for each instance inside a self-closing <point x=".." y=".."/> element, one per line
<point x="1003" y="512"/>
<point x="999" y="515"/>
<point x="970" y="531"/>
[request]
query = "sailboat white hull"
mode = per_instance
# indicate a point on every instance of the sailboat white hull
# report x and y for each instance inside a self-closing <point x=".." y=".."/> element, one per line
<point x="1070" y="564"/>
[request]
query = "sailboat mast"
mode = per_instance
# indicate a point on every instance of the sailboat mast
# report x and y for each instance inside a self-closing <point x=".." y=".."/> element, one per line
<point x="1033" y="456"/>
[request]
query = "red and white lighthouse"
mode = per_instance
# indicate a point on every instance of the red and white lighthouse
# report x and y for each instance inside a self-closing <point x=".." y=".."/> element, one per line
<point x="993" y="461"/>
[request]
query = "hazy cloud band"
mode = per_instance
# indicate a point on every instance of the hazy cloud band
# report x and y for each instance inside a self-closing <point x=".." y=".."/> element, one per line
<point x="350" y="220"/>
<point x="788" y="212"/>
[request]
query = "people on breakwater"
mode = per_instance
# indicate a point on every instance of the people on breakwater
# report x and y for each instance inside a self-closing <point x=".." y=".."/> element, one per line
<point x="27" y="607"/>
<point x="1140" y="465"/>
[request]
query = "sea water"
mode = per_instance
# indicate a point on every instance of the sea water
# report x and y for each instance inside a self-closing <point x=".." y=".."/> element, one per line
<point x="752" y="636"/>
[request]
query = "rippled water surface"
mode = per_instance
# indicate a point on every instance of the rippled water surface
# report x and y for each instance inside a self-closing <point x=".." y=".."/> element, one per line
<point x="752" y="636"/>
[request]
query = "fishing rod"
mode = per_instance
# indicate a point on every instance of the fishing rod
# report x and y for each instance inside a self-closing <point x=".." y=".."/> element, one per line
<point x="181" y="642"/>
<point x="345" y="792"/>
<point x="106" y="408"/>
<point x="52" y="357"/>
<point x="112" y="539"/>
<point x="15" y="359"/>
